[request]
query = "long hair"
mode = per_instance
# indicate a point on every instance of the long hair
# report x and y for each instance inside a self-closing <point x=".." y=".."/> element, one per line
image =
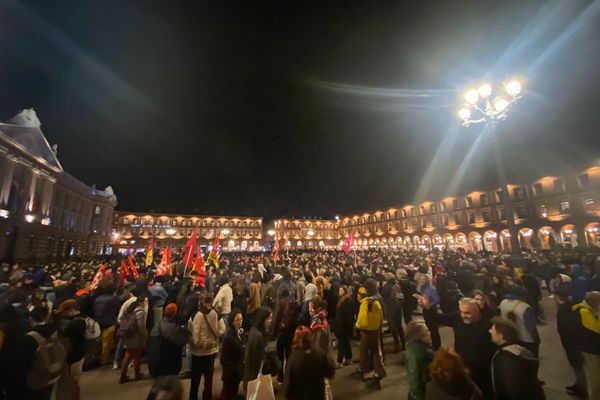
<point x="450" y="373"/>
<point x="302" y="338"/>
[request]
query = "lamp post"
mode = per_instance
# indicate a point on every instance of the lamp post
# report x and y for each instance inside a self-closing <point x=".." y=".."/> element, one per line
<point x="482" y="105"/>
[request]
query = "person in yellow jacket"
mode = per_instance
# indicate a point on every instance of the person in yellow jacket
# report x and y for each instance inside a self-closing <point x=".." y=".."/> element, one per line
<point x="369" y="322"/>
<point x="589" y="341"/>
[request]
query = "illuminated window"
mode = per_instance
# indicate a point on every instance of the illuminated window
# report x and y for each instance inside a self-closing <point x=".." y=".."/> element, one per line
<point x="584" y="181"/>
<point x="468" y="202"/>
<point x="97" y="210"/>
<point x="588" y="203"/>
<point x="565" y="206"/>
<point x="542" y="211"/>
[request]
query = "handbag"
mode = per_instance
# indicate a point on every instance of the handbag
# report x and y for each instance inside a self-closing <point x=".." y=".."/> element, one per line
<point x="260" y="388"/>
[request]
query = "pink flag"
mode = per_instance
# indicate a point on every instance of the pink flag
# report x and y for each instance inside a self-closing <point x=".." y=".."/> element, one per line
<point x="348" y="244"/>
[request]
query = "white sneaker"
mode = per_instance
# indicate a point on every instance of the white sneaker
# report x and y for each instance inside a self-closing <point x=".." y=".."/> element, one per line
<point x="115" y="365"/>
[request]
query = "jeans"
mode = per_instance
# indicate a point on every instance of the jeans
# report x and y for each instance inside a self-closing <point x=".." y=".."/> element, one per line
<point x="284" y="349"/>
<point x="371" y="356"/>
<point x="135" y="355"/>
<point x="202" y="366"/>
<point x="344" y="349"/>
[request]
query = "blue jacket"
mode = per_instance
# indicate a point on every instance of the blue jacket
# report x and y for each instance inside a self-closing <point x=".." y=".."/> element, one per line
<point x="430" y="293"/>
<point x="579" y="284"/>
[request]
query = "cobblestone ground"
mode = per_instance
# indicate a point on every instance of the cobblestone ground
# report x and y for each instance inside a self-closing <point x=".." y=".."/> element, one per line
<point x="102" y="383"/>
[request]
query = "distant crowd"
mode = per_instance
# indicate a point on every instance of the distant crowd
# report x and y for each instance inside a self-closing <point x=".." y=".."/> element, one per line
<point x="287" y="322"/>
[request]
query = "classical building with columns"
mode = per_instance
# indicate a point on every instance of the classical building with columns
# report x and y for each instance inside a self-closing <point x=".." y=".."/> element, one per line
<point x="552" y="210"/>
<point x="45" y="213"/>
<point x="132" y="232"/>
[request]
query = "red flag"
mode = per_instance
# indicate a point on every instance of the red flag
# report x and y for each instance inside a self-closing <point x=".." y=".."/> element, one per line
<point x="275" y="252"/>
<point x="348" y="244"/>
<point x="199" y="268"/>
<point x="98" y="277"/>
<point x="123" y="272"/>
<point x="214" y="253"/>
<point x="199" y="262"/>
<point x="190" y="246"/>
<point x="164" y="266"/>
<point x="133" y="267"/>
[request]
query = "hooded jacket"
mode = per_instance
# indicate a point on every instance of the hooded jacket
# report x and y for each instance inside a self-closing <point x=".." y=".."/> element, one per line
<point x="206" y="327"/>
<point x="370" y="314"/>
<point x="514" y="374"/>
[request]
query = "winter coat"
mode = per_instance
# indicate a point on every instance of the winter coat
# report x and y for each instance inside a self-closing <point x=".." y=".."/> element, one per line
<point x="138" y="340"/>
<point x="305" y="374"/>
<point x="514" y="374"/>
<point x="172" y="338"/>
<point x="254" y="302"/>
<point x="588" y="328"/>
<point x="473" y="343"/>
<point x="255" y="346"/>
<point x="370" y="314"/>
<point x="579" y="283"/>
<point x="418" y="357"/>
<point x="223" y="299"/>
<point x="106" y="309"/>
<point x="232" y="357"/>
<point x="74" y="331"/>
<point x="525" y="318"/>
<point x="206" y="327"/>
<point x="344" y="321"/>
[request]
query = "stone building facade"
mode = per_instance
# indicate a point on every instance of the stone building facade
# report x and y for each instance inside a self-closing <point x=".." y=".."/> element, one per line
<point x="45" y="213"/>
<point x="132" y="232"/>
<point x="549" y="211"/>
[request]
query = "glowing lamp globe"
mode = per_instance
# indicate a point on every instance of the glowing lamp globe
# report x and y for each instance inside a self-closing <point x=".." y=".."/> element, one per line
<point x="500" y="104"/>
<point x="485" y="90"/>
<point x="472" y="96"/>
<point x="513" y="88"/>
<point x="464" y="113"/>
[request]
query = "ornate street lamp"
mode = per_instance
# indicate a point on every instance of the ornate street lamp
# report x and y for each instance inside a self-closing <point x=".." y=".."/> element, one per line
<point x="483" y="105"/>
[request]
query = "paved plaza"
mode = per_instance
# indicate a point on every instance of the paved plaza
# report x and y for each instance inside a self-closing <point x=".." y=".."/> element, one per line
<point x="554" y="371"/>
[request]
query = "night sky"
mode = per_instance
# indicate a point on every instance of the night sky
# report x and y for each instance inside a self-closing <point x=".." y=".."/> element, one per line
<point x="298" y="108"/>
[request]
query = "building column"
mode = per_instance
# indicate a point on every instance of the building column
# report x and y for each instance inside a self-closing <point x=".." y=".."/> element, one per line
<point x="30" y="185"/>
<point x="46" y="200"/>
<point x="7" y="166"/>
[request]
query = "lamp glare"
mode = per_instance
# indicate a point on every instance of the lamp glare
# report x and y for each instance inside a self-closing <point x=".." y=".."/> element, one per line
<point x="464" y="113"/>
<point x="485" y="90"/>
<point x="472" y="96"/>
<point x="500" y="104"/>
<point x="513" y="88"/>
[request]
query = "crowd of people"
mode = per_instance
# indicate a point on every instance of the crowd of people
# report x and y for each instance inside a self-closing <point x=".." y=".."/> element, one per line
<point x="288" y="323"/>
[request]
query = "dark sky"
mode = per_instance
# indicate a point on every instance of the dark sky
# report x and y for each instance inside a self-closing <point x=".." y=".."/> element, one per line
<point x="298" y="108"/>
